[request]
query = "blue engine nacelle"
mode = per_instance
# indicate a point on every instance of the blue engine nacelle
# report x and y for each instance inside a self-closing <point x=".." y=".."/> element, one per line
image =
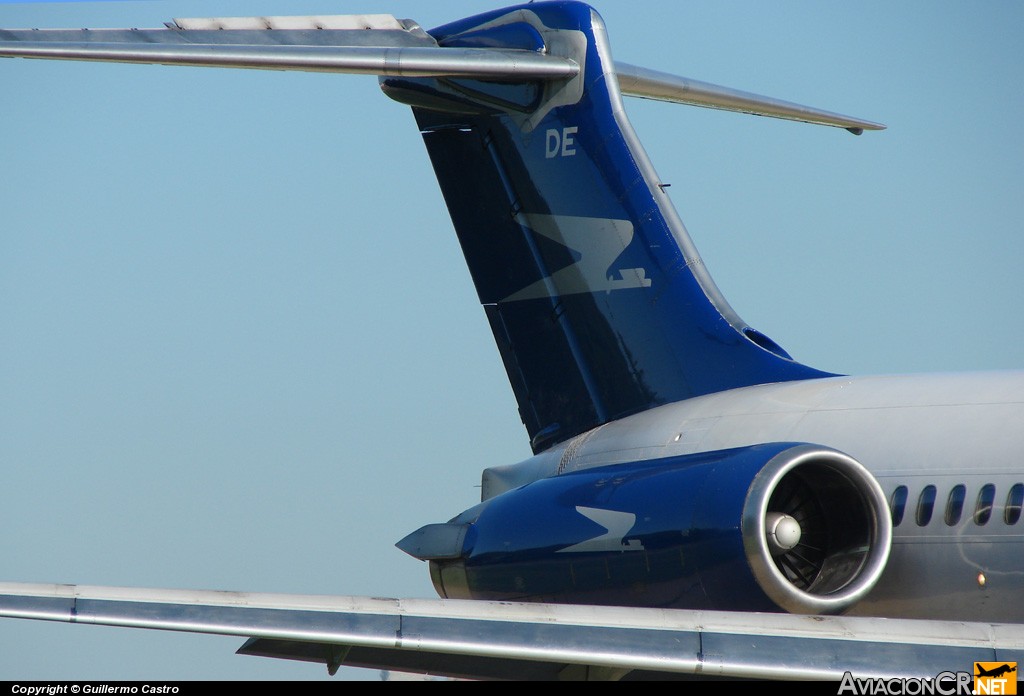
<point x="796" y="527"/>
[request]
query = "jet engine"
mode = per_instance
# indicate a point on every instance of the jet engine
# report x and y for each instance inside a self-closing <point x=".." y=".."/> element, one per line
<point x="777" y="526"/>
<point x="816" y="530"/>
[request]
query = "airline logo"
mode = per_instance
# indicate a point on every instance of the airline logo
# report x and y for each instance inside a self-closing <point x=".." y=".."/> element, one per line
<point x="617" y="525"/>
<point x="597" y="242"/>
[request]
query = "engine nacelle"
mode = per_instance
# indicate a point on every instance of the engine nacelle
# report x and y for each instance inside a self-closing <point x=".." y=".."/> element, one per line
<point x="844" y="530"/>
<point x="797" y="527"/>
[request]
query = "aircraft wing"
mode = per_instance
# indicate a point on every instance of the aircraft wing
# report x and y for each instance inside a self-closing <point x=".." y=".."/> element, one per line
<point x="503" y="640"/>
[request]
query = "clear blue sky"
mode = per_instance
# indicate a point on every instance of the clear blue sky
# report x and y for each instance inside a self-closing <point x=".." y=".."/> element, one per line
<point x="239" y="348"/>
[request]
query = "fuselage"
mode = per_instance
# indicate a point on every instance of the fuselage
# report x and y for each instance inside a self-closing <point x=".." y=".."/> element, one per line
<point x="947" y="450"/>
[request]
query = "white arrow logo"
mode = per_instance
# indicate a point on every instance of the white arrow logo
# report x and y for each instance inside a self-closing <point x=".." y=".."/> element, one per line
<point x="598" y="241"/>
<point x="618" y="525"/>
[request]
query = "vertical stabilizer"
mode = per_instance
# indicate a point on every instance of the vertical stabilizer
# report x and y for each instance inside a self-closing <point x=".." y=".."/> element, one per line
<point x="599" y="303"/>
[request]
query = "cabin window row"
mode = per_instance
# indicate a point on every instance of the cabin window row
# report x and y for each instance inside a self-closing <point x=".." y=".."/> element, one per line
<point x="952" y="508"/>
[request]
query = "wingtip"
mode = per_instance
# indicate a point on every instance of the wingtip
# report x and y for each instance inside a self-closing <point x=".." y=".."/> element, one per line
<point x="859" y="130"/>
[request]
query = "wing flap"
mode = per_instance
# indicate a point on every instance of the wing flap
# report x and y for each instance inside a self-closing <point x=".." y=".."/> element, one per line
<point x="440" y="665"/>
<point x="501" y="639"/>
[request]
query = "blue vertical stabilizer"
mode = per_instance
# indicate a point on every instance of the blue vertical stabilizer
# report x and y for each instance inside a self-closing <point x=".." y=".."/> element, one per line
<point x="599" y="303"/>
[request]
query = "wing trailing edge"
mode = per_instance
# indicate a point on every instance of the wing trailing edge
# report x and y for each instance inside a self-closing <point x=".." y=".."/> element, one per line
<point x="510" y="640"/>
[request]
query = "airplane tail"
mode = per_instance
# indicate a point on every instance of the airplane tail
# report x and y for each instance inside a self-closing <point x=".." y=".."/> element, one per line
<point x="598" y="301"/>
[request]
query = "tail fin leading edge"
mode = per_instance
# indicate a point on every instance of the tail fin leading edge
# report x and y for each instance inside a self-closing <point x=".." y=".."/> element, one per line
<point x="599" y="303"/>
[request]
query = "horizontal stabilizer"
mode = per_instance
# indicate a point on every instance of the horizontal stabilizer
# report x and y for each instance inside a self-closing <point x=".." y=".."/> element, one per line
<point x="373" y="45"/>
<point x="361" y="44"/>
<point x="635" y="81"/>
<point x="365" y="60"/>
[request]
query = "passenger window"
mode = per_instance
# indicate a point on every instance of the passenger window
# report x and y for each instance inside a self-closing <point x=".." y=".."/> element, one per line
<point x="955" y="504"/>
<point x="983" y="508"/>
<point x="899" y="502"/>
<point x="1014" y="500"/>
<point x="925" y="505"/>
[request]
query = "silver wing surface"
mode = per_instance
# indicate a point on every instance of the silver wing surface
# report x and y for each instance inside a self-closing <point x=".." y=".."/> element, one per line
<point x="502" y="640"/>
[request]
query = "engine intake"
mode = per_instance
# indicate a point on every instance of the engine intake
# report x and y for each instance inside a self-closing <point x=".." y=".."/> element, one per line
<point x="843" y="530"/>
